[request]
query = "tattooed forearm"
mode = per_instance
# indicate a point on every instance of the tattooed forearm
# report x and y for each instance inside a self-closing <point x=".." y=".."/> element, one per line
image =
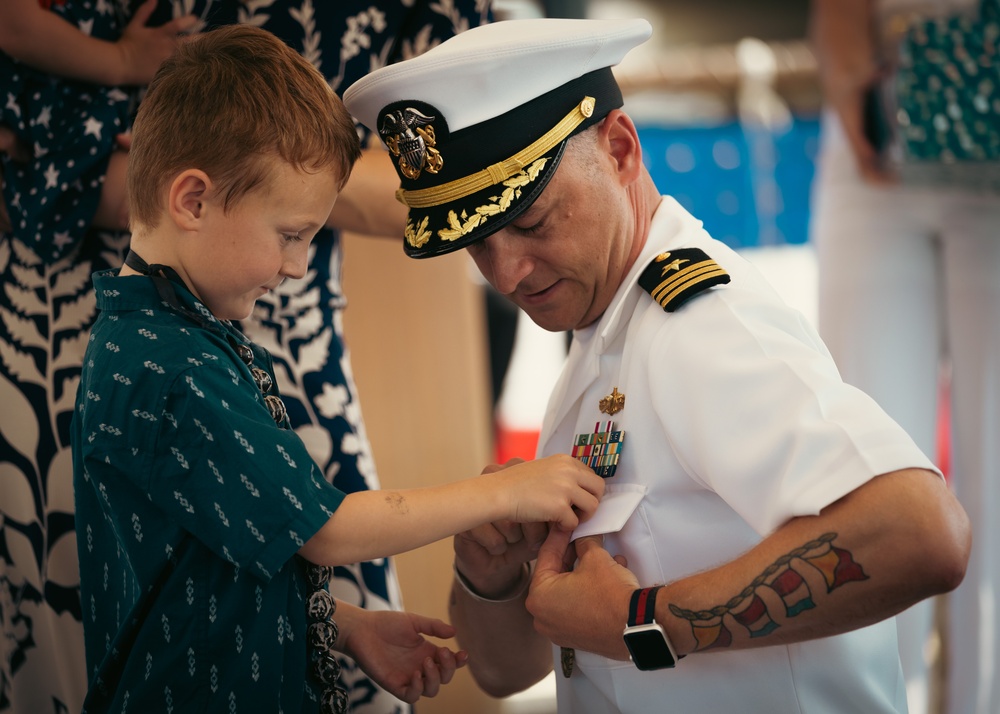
<point x="749" y="611"/>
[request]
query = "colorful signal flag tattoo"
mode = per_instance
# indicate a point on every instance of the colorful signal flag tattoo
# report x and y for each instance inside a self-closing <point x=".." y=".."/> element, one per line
<point x="711" y="633"/>
<point x="600" y="450"/>
<point x="749" y="609"/>
<point x="794" y="592"/>
<point x="755" y="617"/>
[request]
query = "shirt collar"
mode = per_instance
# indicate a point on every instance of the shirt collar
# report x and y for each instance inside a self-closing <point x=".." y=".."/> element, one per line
<point x="669" y="228"/>
<point x="117" y="293"/>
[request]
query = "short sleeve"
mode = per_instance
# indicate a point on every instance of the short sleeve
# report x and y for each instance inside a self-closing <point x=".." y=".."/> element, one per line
<point x="758" y="412"/>
<point x="244" y="487"/>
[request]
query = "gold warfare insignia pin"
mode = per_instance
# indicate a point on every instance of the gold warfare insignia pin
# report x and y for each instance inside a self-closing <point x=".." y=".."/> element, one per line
<point x="613" y="403"/>
<point x="409" y="134"/>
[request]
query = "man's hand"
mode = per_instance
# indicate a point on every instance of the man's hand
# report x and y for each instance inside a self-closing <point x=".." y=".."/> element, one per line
<point x="491" y="557"/>
<point x="391" y="648"/>
<point x="582" y="605"/>
<point x="506" y="655"/>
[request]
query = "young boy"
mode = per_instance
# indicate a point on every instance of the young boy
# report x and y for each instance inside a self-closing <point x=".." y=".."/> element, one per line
<point x="206" y="533"/>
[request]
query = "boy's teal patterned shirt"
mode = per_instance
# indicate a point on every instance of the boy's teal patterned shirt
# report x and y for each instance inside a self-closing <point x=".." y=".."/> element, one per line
<point x="191" y="504"/>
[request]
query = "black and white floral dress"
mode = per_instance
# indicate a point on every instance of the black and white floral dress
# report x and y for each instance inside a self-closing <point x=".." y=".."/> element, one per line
<point x="47" y="307"/>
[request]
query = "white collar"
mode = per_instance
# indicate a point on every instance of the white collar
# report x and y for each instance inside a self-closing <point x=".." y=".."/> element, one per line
<point x="669" y="228"/>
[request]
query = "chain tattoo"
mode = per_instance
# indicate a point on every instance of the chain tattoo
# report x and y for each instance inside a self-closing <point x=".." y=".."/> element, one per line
<point x="835" y="564"/>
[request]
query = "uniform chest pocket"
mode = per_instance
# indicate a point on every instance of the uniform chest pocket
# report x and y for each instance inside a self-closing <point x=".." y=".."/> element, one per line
<point x="618" y="505"/>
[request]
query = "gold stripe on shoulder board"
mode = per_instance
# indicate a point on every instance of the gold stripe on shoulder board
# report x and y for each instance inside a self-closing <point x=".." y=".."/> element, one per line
<point x="674" y="277"/>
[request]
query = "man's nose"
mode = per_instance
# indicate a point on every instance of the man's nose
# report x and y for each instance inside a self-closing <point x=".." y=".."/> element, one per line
<point x="509" y="262"/>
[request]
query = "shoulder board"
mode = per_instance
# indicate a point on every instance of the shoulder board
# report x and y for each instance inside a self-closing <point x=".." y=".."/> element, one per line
<point x="678" y="275"/>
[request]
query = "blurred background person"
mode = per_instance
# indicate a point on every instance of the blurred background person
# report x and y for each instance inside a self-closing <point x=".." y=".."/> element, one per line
<point x="909" y="289"/>
<point x="47" y="308"/>
<point x="68" y="79"/>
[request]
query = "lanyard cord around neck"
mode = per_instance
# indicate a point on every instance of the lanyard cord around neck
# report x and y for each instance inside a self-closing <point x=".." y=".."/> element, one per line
<point x="163" y="277"/>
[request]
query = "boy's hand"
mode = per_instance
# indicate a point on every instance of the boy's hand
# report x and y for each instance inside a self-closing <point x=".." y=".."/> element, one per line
<point x="558" y="489"/>
<point x="144" y="48"/>
<point x="391" y="648"/>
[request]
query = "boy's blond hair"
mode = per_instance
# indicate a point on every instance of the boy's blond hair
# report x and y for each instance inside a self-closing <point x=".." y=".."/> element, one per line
<point x="230" y="102"/>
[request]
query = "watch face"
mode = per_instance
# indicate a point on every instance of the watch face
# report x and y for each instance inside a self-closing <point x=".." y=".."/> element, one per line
<point x="649" y="648"/>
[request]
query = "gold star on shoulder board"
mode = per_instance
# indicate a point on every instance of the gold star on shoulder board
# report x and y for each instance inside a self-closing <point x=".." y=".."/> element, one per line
<point x="689" y="272"/>
<point x="674" y="264"/>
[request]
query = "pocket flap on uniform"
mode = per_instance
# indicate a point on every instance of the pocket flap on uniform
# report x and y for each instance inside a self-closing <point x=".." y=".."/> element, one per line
<point x="617" y="506"/>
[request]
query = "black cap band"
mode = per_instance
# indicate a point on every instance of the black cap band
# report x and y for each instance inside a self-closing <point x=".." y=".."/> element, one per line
<point x="427" y="156"/>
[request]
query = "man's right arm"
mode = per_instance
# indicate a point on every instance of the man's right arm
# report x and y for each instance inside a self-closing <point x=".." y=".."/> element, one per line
<point x="486" y="607"/>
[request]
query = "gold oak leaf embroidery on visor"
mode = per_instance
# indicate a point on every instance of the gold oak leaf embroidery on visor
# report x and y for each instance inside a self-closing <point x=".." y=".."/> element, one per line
<point x="459" y="227"/>
<point x="417" y="236"/>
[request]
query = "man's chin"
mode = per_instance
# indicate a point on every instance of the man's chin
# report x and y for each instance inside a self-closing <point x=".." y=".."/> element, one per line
<point x="551" y="322"/>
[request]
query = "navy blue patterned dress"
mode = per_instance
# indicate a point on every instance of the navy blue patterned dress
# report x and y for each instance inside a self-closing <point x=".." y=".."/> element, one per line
<point x="47" y="308"/>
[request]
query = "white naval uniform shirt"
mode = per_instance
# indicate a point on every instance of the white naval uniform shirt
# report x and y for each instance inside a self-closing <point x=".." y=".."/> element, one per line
<point x="735" y="421"/>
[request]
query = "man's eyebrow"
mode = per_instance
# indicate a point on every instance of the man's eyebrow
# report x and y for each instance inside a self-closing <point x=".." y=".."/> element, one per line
<point x="531" y="211"/>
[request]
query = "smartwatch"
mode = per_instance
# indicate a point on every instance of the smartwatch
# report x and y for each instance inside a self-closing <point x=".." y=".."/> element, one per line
<point x="647" y="642"/>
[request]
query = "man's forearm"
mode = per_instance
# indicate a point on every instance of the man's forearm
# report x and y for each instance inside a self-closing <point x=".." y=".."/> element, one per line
<point x="506" y="655"/>
<point x="822" y="576"/>
<point x="897" y="539"/>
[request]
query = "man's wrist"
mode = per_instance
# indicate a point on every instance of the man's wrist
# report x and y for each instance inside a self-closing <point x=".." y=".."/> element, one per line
<point x="647" y="641"/>
<point x="514" y="591"/>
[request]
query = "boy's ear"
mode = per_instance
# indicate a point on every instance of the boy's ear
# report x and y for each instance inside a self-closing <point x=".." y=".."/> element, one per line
<point x="186" y="202"/>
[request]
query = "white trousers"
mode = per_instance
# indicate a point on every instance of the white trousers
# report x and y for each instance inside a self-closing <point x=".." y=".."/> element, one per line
<point x="909" y="283"/>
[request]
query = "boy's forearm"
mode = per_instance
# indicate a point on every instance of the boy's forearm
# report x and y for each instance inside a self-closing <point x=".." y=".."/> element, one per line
<point x="378" y="524"/>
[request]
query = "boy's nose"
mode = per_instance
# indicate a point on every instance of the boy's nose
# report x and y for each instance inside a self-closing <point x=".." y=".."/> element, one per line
<point x="296" y="263"/>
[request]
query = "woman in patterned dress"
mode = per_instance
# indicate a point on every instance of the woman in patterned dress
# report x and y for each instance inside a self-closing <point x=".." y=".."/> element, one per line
<point x="47" y="308"/>
<point x="62" y="130"/>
